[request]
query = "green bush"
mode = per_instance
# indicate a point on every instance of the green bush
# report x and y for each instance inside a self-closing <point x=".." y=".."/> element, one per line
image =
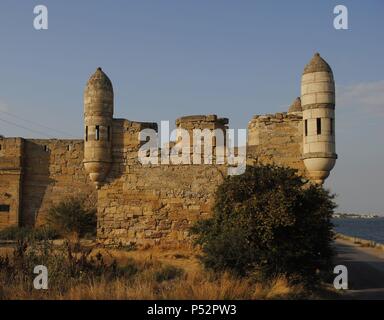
<point x="24" y="233"/>
<point x="73" y="216"/>
<point x="269" y="221"/>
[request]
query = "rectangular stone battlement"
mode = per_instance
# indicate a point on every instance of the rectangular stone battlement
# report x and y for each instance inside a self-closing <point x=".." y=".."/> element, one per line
<point x="276" y="117"/>
<point x="198" y="121"/>
<point x="276" y="139"/>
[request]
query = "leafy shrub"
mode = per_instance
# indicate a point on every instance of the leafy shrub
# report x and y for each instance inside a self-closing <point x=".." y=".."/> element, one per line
<point x="73" y="216"/>
<point x="269" y="221"/>
<point x="20" y="233"/>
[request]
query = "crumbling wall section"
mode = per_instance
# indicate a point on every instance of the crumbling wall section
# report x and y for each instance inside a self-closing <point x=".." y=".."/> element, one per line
<point x="276" y="139"/>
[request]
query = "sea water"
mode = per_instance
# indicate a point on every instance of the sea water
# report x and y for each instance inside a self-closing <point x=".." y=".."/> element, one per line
<point x="370" y="229"/>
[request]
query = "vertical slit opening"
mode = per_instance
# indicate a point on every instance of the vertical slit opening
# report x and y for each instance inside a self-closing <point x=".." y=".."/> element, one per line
<point x="97" y="133"/>
<point x="318" y="125"/>
<point x="306" y="127"/>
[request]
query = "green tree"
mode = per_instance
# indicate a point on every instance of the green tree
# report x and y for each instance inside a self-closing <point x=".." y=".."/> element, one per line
<point x="270" y="221"/>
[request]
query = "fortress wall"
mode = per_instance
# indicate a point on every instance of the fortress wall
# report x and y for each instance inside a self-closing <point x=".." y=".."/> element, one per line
<point x="157" y="204"/>
<point x="151" y="204"/>
<point x="11" y="159"/>
<point x="53" y="170"/>
<point x="136" y="203"/>
<point x="278" y="139"/>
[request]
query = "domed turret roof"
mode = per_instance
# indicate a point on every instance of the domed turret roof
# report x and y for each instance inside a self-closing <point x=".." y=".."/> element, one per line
<point x="99" y="80"/>
<point x="295" y="106"/>
<point x="317" y="64"/>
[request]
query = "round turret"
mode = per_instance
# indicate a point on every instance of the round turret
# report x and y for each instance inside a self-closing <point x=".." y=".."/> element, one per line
<point x="318" y="105"/>
<point x="317" y="64"/>
<point x="98" y="115"/>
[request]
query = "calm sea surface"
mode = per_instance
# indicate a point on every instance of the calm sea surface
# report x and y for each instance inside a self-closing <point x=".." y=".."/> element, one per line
<point x="370" y="229"/>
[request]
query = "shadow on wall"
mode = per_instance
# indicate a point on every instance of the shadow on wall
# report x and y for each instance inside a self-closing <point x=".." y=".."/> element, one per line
<point x="36" y="180"/>
<point x="126" y="145"/>
<point x="118" y="132"/>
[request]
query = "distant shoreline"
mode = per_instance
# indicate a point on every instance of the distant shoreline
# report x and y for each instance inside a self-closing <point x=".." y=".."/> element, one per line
<point x="355" y="216"/>
<point x="359" y="241"/>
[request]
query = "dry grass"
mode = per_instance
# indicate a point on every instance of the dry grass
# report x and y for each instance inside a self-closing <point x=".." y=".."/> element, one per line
<point x="162" y="274"/>
<point x="193" y="286"/>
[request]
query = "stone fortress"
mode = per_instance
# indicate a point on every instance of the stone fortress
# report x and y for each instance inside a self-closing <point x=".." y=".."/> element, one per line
<point x="157" y="203"/>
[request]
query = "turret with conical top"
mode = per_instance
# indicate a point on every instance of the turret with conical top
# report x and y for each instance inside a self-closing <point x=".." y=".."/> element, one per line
<point x="295" y="107"/>
<point x="318" y="105"/>
<point x="98" y="116"/>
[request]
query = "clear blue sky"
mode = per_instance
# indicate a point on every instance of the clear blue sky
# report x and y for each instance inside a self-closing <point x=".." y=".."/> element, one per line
<point x="172" y="58"/>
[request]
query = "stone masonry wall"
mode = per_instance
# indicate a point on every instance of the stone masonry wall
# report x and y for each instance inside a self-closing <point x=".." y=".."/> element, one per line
<point x="277" y="139"/>
<point x="145" y="204"/>
<point x="151" y="204"/>
<point x="157" y="204"/>
<point x="11" y="157"/>
<point x="53" y="170"/>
